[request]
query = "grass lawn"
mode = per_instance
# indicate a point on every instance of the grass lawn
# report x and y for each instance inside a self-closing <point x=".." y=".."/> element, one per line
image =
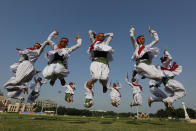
<point x="9" y="122"/>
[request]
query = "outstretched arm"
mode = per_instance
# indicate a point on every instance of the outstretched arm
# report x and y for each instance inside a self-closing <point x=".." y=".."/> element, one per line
<point x="132" y="33"/>
<point x="156" y="38"/>
<point x="91" y="35"/>
<point x="110" y="36"/>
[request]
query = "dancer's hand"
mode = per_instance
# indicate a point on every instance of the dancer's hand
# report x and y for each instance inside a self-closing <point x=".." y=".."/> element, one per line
<point x="132" y="30"/>
<point x="77" y="36"/>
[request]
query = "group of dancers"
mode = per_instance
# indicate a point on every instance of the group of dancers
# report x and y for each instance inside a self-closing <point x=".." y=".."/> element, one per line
<point x="101" y="53"/>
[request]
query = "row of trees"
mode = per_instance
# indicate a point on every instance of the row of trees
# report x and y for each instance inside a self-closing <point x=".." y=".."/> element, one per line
<point x="177" y="113"/>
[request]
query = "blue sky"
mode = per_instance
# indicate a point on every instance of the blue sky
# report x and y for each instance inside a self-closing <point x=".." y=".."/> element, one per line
<point x="26" y="22"/>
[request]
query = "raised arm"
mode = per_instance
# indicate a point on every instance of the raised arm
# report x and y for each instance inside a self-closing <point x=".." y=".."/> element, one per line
<point x="132" y="33"/>
<point x="42" y="47"/>
<point x="110" y="36"/>
<point x="127" y="81"/>
<point x="79" y="42"/>
<point x="168" y="55"/>
<point x="50" y="37"/>
<point x="91" y="35"/>
<point x="156" y="38"/>
<point x="119" y="85"/>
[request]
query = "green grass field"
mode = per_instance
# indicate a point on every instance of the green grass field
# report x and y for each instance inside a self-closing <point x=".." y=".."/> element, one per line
<point x="9" y="122"/>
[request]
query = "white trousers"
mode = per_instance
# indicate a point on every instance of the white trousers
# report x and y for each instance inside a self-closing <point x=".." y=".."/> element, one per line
<point x="176" y="89"/>
<point x="99" y="71"/>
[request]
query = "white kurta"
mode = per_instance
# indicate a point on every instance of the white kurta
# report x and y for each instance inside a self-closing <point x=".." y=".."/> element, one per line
<point x="136" y="91"/>
<point x="167" y="64"/>
<point x="114" y="94"/>
<point x="69" y="89"/>
<point x="99" y="70"/>
<point x="58" y="70"/>
<point x="173" y="87"/>
<point x="146" y="70"/>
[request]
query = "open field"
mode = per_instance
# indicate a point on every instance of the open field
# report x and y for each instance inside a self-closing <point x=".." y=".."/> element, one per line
<point x="9" y="122"/>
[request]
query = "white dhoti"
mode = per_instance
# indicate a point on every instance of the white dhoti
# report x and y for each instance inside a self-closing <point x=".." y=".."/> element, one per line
<point x="176" y="89"/>
<point x="24" y="73"/>
<point x="54" y="71"/>
<point x="148" y="71"/>
<point x="99" y="71"/>
<point x="137" y="98"/>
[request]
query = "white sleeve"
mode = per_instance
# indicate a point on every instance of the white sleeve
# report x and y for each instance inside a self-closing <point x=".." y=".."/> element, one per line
<point x="132" y="32"/>
<point x="42" y="47"/>
<point x="53" y="45"/>
<point x="79" y="43"/>
<point x="110" y="36"/>
<point x="91" y="35"/>
<point x="44" y="82"/>
<point x="52" y="35"/>
<point x="156" y="38"/>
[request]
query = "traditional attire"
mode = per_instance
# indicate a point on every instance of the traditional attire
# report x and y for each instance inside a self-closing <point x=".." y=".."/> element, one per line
<point x="57" y="60"/>
<point x="24" y="70"/>
<point x="35" y="87"/>
<point x="173" y="87"/>
<point x="115" y="94"/>
<point x="100" y="54"/>
<point x="137" y="89"/>
<point x="143" y="56"/>
<point x="69" y="92"/>
<point x="88" y="96"/>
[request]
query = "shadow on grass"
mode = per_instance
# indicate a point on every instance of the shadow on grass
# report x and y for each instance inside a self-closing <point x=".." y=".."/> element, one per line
<point x="143" y="122"/>
<point x="78" y="122"/>
<point x="106" y="122"/>
<point x="133" y="122"/>
<point x="152" y="123"/>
